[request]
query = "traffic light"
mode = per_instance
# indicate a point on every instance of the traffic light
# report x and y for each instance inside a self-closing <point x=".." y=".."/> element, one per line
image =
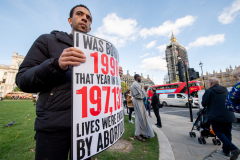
<point x="181" y="71"/>
<point x="192" y="74"/>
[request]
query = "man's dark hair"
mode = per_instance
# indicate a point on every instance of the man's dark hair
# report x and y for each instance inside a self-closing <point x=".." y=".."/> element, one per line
<point x="136" y="75"/>
<point x="154" y="90"/>
<point x="80" y="5"/>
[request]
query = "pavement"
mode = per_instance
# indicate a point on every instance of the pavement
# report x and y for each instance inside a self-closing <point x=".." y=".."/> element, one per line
<point x="176" y="144"/>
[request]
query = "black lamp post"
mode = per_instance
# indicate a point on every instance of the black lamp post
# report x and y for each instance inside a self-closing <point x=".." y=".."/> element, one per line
<point x="189" y="104"/>
<point x="201" y="64"/>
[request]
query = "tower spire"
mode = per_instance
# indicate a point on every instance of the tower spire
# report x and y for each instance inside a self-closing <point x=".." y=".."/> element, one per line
<point x="173" y="38"/>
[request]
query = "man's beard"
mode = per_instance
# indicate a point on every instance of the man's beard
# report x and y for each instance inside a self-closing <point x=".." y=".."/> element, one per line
<point x="139" y="80"/>
<point x="79" y="28"/>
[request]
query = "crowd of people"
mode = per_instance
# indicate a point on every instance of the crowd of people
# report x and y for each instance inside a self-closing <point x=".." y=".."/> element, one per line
<point x="137" y="100"/>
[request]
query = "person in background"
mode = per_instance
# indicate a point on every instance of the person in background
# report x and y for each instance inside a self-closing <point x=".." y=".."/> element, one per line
<point x="125" y="101"/>
<point x="146" y="101"/>
<point x="233" y="102"/>
<point x="155" y="105"/>
<point x="129" y="105"/>
<point x="233" y="99"/>
<point x="142" y="123"/>
<point x="220" y="118"/>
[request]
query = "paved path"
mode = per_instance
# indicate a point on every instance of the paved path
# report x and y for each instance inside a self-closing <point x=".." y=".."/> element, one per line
<point x="177" y="128"/>
<point x="184" y="112"/>
<point x="176" y="144"/>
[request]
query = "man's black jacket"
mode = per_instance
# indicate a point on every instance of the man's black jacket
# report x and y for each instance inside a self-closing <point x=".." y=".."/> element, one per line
<point x="40" y="72"/>
<point x="214" y="99"/>
<point x="155" y="101"/>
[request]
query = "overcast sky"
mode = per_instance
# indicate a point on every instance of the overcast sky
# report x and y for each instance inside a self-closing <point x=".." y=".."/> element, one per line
<point x="139" y="30"/>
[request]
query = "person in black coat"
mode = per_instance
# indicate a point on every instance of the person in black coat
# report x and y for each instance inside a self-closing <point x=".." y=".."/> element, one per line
<point x="155" y="105"/>
<point x="47" y="69"/>
<point x="220" y="118"/>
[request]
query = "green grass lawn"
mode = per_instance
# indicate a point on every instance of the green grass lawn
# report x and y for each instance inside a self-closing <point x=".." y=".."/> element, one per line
<point x="17" y="141"/>
<point x="148" y="150"/>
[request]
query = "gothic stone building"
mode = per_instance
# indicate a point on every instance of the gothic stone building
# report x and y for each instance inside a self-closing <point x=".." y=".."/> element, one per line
<point x="172" y="53"/>
<point x="8" y="74"/>
<point x="130" y="79"/>
<point x="226" y="78"/>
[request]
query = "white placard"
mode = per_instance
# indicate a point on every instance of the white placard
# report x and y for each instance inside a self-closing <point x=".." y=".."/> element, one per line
<point x="200" y="95"/>
<point x="97" y="111"/>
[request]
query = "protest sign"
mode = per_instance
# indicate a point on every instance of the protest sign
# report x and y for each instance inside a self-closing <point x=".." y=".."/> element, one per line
<point x="97" y="111"/>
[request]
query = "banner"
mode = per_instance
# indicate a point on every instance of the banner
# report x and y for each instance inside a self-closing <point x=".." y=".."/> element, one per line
<point x="166" y="91"/>
<point x="97" y="111"/>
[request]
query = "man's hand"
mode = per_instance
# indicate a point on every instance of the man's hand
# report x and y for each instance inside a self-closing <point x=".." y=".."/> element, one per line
<point x="120" y="71"/>
<point x="71" y="57"/>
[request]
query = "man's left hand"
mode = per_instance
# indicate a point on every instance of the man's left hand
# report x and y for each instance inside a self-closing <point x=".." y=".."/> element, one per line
<point x="120" y="71"/>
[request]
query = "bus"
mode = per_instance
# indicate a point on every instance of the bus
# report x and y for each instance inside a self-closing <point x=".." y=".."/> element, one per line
<point x="15" y="94"/>
<point x="179" y="87"/>
<point x="19" y="94"/>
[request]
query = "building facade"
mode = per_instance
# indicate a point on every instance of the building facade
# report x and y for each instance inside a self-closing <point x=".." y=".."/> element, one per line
<point x="130" y="79"/>
<point x="173" y="52"/>
<point x="226" y="78"/>
<point x="8" y="74"/>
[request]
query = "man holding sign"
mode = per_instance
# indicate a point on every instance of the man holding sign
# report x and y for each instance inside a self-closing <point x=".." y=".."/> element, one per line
<point x="47" y="68"/>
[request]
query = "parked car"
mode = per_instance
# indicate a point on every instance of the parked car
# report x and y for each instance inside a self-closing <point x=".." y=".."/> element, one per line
<point x="176" y="99"/>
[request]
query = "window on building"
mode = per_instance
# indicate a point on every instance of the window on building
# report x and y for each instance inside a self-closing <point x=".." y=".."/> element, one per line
<point x="2" y="87"/>
<point x="4" y="81"/>
<point x="5" y="73"/>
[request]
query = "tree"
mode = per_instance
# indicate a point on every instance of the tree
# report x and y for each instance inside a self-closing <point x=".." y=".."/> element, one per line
<point x="124" y="87"/>
<point x="176" y="80"/>
<point x="16" y="89"/>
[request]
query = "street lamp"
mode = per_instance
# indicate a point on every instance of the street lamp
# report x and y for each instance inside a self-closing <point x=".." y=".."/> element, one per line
<point x="190" y="104"/>
<point x="201" y="64"/>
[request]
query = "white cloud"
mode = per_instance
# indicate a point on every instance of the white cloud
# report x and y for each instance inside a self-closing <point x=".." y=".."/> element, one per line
<point x="167" y="26"/>
<point x="207" y="41"/>
<point x="229" y="14"/>
<point x="154" y="63"/>
<point x="150" y="45"/>
<point x="162" y="48"/>
<point x="144" y="55"/>
<point x="117" y="30"/>
<point x="154" y="78"/>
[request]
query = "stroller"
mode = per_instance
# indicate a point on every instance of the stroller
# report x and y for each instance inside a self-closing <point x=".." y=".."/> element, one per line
<point x="203" y="126"/>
